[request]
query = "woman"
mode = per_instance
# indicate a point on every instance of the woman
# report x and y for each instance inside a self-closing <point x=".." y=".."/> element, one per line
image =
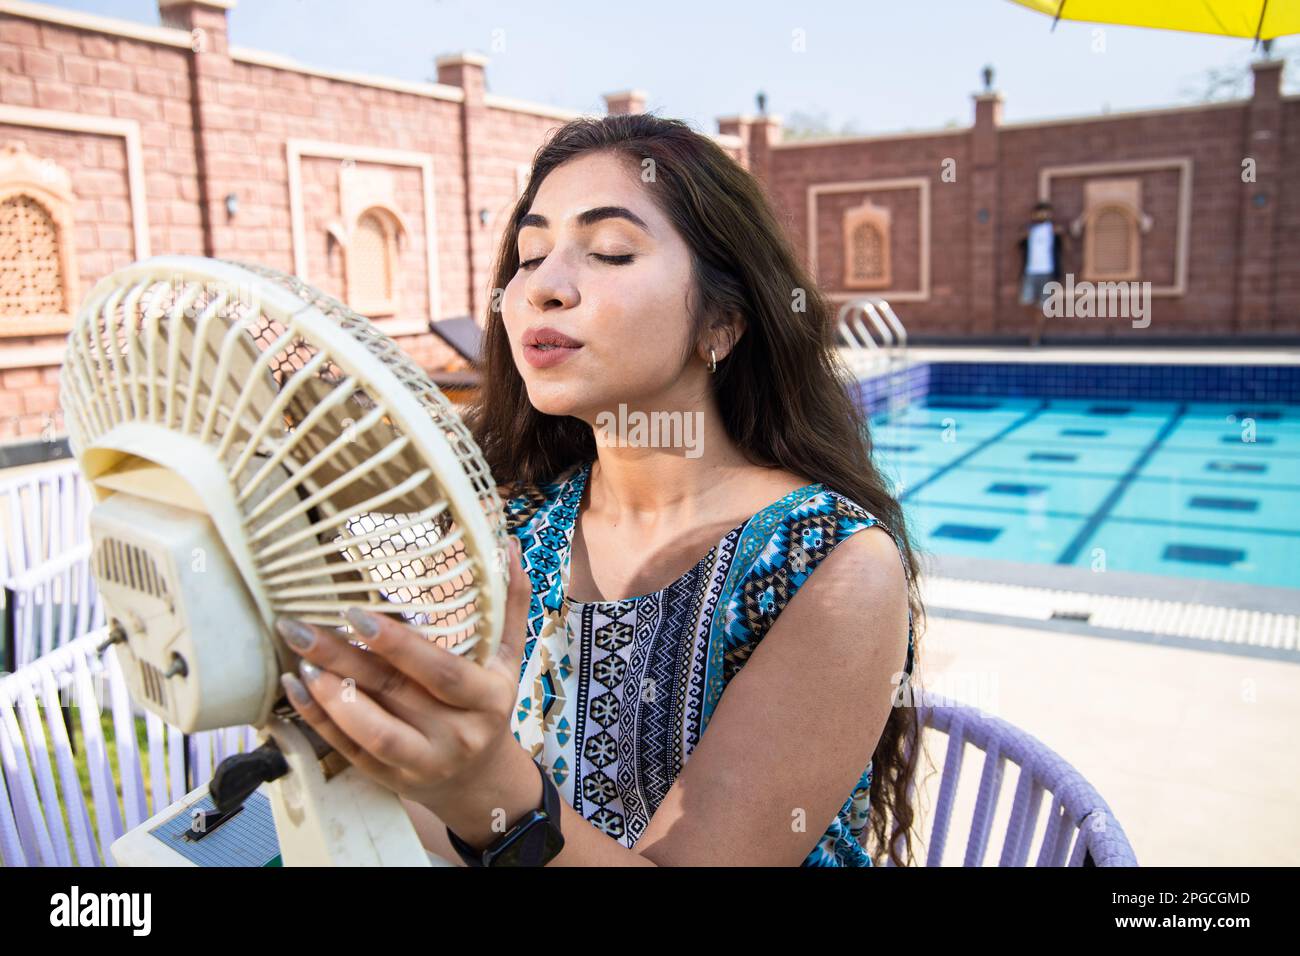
<point x="644" y="279"/>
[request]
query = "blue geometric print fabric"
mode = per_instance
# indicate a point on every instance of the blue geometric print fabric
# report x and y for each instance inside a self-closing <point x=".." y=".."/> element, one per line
<point x="615" y="695"/>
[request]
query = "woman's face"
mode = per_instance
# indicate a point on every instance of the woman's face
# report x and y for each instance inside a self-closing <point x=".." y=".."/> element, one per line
<point x="601" y="266"/>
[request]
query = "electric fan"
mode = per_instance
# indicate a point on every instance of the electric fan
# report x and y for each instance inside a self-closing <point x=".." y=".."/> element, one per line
<point x="256" y="448"/>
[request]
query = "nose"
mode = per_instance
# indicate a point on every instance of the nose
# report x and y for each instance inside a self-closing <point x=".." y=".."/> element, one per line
<point x="550" y="285"/>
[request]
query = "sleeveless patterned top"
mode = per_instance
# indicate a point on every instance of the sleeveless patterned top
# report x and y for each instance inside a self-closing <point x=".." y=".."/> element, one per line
<point x="614" y="695"/>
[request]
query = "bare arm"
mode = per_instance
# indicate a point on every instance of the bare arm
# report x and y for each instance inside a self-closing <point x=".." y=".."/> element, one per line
<point x="432" y="831"/>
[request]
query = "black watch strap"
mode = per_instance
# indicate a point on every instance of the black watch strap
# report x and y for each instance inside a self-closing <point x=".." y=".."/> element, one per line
<point x="534" y="840"/>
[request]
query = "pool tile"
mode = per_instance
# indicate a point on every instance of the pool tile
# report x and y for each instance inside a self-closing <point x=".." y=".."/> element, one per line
<point x="1239" y="466"/>
<point x="1014" y="488"/>
<point x="1204" y="554"/>
<point x="1092" y="460"/>
<point x="999" y="491"/>
<point x="1033" y="537"/>
<point x="1053" y="456"/>
<point x="1120" y="545"/>
<point x="1192" y="504"/>
<point x="967" y="532"/>
<point x="1212" y="503"/>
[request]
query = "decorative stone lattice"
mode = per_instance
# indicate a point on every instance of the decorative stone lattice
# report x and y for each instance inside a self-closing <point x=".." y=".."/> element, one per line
<point x="866" y="247"/>
<point x="38" y="278"/>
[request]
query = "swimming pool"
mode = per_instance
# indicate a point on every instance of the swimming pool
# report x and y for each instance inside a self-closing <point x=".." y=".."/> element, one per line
<point x="1193" y="489"/>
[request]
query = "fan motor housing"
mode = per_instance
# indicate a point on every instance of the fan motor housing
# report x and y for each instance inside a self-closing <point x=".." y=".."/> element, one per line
<point x="196" y="653"/>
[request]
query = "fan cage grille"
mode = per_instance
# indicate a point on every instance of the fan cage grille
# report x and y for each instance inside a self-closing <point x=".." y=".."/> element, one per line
<point x="339" y="507"/>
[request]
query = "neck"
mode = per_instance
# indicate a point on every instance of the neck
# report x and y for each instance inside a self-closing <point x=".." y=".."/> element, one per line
<point x="656" y="467"/>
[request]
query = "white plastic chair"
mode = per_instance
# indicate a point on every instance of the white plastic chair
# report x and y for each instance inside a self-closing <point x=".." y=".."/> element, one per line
<point x="44" y="818"/>
<point x="51" y="604"/>
<point x="42" y="514"/>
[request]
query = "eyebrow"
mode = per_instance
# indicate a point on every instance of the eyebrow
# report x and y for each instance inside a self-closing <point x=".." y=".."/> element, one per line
<point x="588" y="218"/>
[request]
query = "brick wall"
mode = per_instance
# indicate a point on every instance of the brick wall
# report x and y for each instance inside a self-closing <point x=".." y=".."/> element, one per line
<point x="208" y="121"/>
<point x="214" y="121"/>
<point x="1242" y="277"/>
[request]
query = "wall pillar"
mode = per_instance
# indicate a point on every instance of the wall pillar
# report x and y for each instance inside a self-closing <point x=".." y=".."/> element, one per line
<point x="625" y="101"/>
<point x="985" y="261"/>
<point x="758" y="134"/>
<point x="468" y="71"/>
<point x="1257" y="210"/>
<point x="210" y="65"/>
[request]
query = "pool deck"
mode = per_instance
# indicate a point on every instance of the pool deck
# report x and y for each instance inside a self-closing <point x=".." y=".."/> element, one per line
<point x="1104" y="355"/>
<point x="1194" y="751"/>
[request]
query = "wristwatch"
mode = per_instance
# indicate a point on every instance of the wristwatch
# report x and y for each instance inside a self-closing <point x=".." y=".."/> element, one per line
<point x="533" y="841"/>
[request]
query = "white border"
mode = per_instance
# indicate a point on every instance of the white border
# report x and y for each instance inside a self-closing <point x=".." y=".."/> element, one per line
<point x="1183" y="165"/>
<point x="274" y="61"/>
<point x="498" y="102"/>
<point x="920" y="183"/>
<point x="128" y="129"/>
<point x="168" y="36"/>
<point x="296" y="149"/>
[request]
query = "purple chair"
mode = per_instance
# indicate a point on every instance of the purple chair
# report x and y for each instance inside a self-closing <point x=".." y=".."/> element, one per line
<point x="1080" y="829"/>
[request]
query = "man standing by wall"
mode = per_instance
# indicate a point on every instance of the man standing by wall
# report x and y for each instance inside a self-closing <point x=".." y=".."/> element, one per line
<point x="1041" y="250"/>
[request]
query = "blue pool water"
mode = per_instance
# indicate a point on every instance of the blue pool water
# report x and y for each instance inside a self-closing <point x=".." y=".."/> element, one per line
<point x="1182" y="488"/>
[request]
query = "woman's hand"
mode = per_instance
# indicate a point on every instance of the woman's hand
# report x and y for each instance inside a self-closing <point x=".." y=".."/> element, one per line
<point x="428" y="724"/>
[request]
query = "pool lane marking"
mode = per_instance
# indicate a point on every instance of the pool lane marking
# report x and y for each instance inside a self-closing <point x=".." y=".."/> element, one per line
<point x="1008" y="510"/>
<point x="979" y="446"/>
<point x="999" y="470"/>
<point x="1095" y="520"/>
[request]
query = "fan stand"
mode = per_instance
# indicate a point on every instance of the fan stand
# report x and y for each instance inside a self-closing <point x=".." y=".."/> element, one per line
<point x="345" y="819"/>
<point x="322" y="817"/>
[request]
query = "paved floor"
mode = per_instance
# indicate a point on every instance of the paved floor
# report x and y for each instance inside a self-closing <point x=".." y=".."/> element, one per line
<point x="1195" y="751"/>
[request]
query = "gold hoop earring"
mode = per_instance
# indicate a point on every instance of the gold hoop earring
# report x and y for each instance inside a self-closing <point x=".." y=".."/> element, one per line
<point x="713" y="362"/>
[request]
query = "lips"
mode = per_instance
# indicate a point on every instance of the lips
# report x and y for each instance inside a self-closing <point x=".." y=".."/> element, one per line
<point x="546" y="336"/>
<point x="545" y="347"/>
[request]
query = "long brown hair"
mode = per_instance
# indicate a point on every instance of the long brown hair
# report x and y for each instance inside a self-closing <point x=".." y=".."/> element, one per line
<point x="782" y="393"/>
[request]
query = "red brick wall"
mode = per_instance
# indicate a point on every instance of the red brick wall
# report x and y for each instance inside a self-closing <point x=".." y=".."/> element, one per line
<point x="1286" y="291"/>
<point x="1215" y="138"/>
<point x="1211" y="138"/>
<point x="211" y="125"/>
<point x="54" y="67"/>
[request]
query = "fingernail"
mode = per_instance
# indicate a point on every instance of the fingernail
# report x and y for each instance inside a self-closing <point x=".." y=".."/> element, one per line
<point x="297" y="634"/>
<point x="298" y="695"/>
<point x="308" y="670"/>
<point x="363" y="622"/>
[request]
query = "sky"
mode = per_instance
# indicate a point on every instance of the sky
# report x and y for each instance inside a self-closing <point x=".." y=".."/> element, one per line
<point x="874" y="66"/>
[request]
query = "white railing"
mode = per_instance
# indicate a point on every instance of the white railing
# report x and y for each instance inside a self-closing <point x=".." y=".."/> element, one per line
<point x="42" y="514"/>
<point x="876" y="347"/>
<point x="45" y="816"/>
<point x="51" y="604"/>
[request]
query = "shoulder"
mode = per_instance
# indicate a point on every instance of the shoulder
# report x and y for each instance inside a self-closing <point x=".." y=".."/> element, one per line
<point x="858" y="588"/>
<point x="861" y="549"/>
<point x="831" y="579"/>
<point x="819" y="536"/>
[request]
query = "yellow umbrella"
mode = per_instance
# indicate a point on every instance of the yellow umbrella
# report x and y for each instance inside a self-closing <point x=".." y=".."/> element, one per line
<point x="1257" y="19"/>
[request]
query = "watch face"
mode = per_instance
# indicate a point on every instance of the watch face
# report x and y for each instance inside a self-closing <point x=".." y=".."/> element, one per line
<point x="534" y="842"/>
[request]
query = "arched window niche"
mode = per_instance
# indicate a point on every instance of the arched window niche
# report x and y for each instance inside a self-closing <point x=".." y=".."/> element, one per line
<point x="866" y="247"/>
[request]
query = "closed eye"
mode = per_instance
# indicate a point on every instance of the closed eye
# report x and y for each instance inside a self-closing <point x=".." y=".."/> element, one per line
<point x="612" y="260"/>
